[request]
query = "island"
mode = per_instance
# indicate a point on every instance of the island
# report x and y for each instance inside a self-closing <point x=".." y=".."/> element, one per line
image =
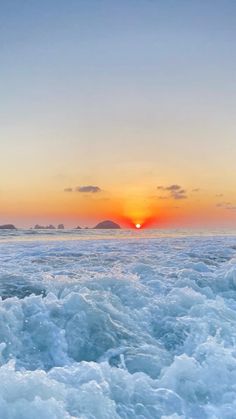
<point x="60" y="227"/>
<point x="7" y="227"/>
<point x="107" y="225"/>
<point x="39" y="227"/>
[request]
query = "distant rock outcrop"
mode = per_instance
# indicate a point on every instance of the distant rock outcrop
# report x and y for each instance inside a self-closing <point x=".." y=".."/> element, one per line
<point x="78" y="228"/>
<point x="60" y="227"/>
<point x="39" y="227"/>
<point x="7" y="227"/>
<point x="107" y="225"/>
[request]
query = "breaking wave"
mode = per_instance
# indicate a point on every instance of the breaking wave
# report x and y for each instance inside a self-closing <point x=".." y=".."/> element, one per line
<point x="131" y="328"/>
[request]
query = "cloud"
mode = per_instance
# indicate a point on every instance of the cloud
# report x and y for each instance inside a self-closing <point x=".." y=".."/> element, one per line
<point x="179" y="195"/>
<point x="226" y="205"/>
<point x="169" y="188"/>
<point x="173" y="188"/>
<point x="196" y="190"/>
<point x="84" y="189"/>
<point x="175" y="191"/>
<point x="219" y="195"/>
<point x="88" y="189"/>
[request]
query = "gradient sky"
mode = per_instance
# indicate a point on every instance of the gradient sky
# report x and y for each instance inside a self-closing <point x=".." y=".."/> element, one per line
<point x="128" y="96"/>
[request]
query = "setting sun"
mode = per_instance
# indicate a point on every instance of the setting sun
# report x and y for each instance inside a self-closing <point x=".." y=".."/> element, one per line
<point x="138" y="225"/>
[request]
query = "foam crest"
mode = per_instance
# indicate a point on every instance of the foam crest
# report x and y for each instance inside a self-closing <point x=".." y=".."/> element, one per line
<point x="118" y="328"/>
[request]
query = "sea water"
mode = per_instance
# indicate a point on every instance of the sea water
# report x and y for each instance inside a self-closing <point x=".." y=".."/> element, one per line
<point x="119" y="324"/>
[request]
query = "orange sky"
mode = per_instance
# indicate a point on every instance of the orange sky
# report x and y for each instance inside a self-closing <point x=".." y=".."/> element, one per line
<point x="199" y="208"/>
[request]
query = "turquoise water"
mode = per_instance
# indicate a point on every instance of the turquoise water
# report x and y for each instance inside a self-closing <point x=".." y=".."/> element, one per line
<point x="91" y="234"/>
<point x="124" y="324"/>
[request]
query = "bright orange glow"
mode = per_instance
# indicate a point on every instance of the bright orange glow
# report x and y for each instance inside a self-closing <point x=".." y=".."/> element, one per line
<point x="130" y="209"/>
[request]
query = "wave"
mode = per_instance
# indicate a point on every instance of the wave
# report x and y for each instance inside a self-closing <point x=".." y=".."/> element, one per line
<point x="118" y="328"/>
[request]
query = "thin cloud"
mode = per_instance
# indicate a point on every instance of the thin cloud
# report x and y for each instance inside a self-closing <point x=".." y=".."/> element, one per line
<point x="219" y="195"/>
<point x="226" y="205"/>
<point x="68" y="190"/>
<point x="196" y="190"/>
<point x="88" y="189"/>
<point x="179" y="195"/>
<point x="173" y="188"/>
<point x="175" y="191"/>
<point x="169" y="188"/>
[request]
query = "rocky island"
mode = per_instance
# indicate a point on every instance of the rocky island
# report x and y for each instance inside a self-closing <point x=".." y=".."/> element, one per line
<point x="39" y="227"/>
<point x="107" y="224"/>
<point x="7" y="227"/>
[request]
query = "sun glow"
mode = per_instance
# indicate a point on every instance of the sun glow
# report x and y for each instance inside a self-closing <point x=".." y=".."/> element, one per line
<point x="138" y="225"/>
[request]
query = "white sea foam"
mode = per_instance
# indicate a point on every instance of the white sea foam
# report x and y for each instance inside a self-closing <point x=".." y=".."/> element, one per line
<point x="121" y="328"/>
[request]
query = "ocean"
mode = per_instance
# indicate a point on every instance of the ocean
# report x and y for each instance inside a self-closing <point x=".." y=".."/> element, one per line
<point x="117" y="324"/>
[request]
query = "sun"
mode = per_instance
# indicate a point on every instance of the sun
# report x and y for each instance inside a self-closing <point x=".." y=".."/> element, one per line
<point x="138" y="225"/>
